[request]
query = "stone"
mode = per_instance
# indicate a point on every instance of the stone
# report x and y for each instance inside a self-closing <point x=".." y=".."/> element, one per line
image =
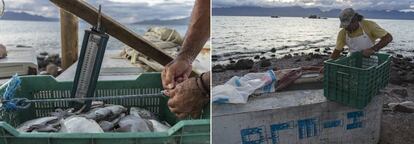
<point x="409" y="77"/>
<point x="406" y="107"/>
<point x="288" y="56"/>
<point x="317" y="50"/>
<point x="243" y="64"/>
<point x="265" y="63"/>
<point x="52" y="69"/>
<point x="256" y="57"/>
<point x="399" y="56"/>
<point x="262" y="58"/>
<point x="327" y="48"/>
<point x="408" y="59"/>
<point x="298" y="60"/>
<point x="273" y="50"/>
<point x="218" y="68"/>
<point x="295" y="54"/>
<point x="273" y="55"/>
<point x="402" y="92"/>
<point x="262" y="52"/>
<point x="44" y="53"/>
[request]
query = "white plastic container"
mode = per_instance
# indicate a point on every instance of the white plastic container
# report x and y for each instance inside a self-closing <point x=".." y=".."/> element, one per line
<point x="302" y="116"/>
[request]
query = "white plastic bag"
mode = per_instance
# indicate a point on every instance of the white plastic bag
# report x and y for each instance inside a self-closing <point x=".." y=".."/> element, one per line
<point x="238" y="89"/>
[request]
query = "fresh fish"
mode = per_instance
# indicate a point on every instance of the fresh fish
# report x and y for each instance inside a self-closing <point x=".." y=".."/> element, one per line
<point x="45" y="128"/>
<point x="133" y="123"/>
<point x="159" y="127"/>
<point x="98" y="113"/>
<point x="60" y="113"/>
<point x="31" y="125"/>
<point x="143" y="113"/>
<point x="78" y="124"/>
<point x="109" y="125"/>
<point x="116" y="110"/>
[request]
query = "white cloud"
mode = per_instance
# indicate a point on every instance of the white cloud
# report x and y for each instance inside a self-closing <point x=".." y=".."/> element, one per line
<point x="323" y="4"/>
<point x="124" y="10"/>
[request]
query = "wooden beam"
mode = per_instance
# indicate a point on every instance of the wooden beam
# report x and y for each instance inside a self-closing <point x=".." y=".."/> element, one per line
<point x="69" y="38"/>
<point x="90" y="14"/>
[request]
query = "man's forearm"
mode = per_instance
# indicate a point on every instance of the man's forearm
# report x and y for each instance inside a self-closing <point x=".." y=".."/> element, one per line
<point x="383" y="42"/>
<point x="336" y="53"/>
<point x="198" y="31"/>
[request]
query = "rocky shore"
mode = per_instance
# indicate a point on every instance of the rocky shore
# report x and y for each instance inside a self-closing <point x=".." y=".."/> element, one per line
<point x="49" y="64"/>
<point x="398" y="114"/>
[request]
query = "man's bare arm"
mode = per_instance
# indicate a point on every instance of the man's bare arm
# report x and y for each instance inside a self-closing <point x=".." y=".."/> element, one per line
<point x="198" y="31"/>
<point x="385" y="40"/>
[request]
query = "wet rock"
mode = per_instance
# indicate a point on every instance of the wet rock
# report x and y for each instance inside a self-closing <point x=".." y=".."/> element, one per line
<point x="317" y="50"/>
<point x="390" y="52"/>
<point x="3" y="51"/>
<point x="44" y="53"/>
<point x="262" y="52"/>
<point x="273" y="50"/>
<point x="308" y="58"/>
<point x="401" y="92"/>
<point x="232" y="61"/>
<point x="265" y="63"/>
<point x="243" y="64"/>
<point x="273" y="55"/>
<point x="401" y="73"/>
<point x="298" y="60"/>
<point x="329" y="52"/>
<point x="344" y="52"/>
<point x="23" y="46"/>
<point x="408" y="59"/>
<point x="288" y="56"/>
<point x="256" y="57"/>
<point x="399" y="56"/>
<point x="262" y="58"/>
<point x="327" y="48"/>
<point x="409" y="77"/>
<point x="406" y="107"/>
<point x="295" y="54"/>
<point x="52" y="69"/>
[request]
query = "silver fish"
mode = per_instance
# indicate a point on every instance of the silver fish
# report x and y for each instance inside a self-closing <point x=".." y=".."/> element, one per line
<point x="109" y="125"/>
<point x="39" y="122"/>
<point x="143" y="113"/>
<point x="132" y="123"/>
<point x="159" y="127"/>
<point x="78" y="124"/>
<point x="98" y="113"/>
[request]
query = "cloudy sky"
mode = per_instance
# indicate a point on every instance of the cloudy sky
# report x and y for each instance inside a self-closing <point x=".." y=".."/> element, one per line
<point x="124" y="10"/>
<point x="404" y="5"/>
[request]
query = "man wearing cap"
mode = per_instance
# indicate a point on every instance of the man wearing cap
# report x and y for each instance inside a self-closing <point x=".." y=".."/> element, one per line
<point x="359" y="34"/>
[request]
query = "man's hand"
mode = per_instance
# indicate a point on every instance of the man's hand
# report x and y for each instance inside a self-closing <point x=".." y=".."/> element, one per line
<point x="187" y="99"/>
<point x="175" y="72"/>
<point x="368" y="52"/>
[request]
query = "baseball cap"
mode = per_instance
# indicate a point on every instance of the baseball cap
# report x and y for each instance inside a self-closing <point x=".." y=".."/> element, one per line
<point x="346" y="16"/>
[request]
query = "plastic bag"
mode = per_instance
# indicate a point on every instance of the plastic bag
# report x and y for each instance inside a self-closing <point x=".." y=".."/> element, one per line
<point x="238" y="89"/>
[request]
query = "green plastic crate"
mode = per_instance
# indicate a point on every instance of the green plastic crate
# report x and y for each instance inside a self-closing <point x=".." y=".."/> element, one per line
<point x="45" y="87"/>
<point x="349" y="81"/>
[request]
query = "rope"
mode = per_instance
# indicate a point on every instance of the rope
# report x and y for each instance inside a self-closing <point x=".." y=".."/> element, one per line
<point x="10" y="104"/>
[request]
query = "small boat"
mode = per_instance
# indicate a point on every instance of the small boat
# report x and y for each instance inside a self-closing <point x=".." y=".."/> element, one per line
<point x="274" y="16"/>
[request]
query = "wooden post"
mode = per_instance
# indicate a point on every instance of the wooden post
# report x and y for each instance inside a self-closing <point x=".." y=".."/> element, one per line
<point x="69" y="38"/>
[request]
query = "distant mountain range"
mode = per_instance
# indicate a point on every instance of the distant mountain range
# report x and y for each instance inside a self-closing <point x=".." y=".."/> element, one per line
<point x="182" y="21"/>
<point x="9" y="15"/>
<point x="297" y="11"/>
